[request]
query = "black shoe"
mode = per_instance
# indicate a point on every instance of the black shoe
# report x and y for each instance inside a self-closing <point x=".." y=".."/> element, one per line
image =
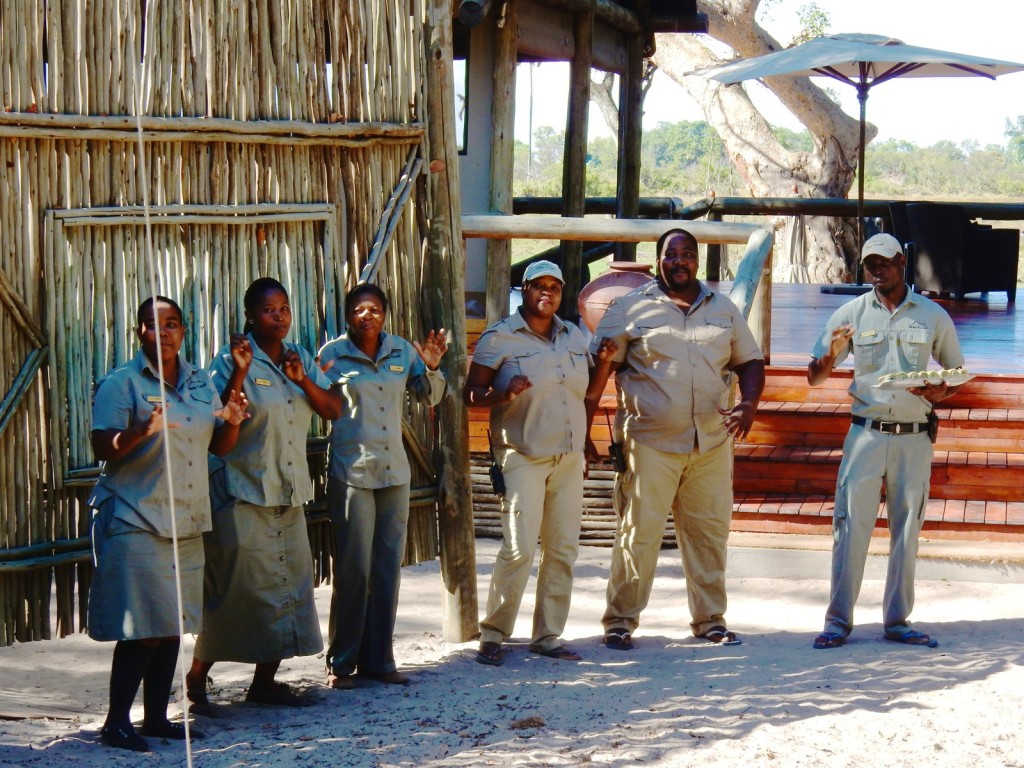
<point x="123" y="737"/>
<point x="199" y="703"/>
<point x="169" y="730"/>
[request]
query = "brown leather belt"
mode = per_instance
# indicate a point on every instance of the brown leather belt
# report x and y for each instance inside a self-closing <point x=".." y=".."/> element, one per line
<point x="891" y="427"/>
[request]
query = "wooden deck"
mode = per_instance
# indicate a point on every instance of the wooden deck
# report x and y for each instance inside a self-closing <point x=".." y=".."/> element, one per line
<point x="990" y="330"/>
<point x="785" y="471"/>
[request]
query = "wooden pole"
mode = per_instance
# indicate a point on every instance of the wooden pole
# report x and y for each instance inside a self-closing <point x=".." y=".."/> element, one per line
<point x="630" y="135"/>
<point x="499" y="252"/>
<point x="574" y="169"/>
<point x="597" y="230"/>
<point x="444" y="287"/>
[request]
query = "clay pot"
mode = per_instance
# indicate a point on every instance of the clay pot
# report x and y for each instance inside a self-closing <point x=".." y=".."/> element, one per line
<point x="621" y="278"/>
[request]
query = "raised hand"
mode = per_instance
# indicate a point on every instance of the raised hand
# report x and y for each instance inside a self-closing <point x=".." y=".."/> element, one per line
<point x="517" y="385"/>
<point x="840" y="340"/>
<point x="432" y="350"/>
<point x="241" y="351"/>
<point x="606" y="349"/>
<point x="292" y="366"/>
<point x="157" y="421"/>
<point x="236" y="410"/>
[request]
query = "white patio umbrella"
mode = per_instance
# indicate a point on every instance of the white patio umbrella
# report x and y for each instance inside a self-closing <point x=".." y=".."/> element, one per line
<point x="862" y="61"/>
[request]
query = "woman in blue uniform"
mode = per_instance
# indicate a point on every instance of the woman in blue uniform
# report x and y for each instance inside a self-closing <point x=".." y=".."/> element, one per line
<point x="258" y="604"/>
<point x="133" y="599"/>
<point x="368" y="482"/>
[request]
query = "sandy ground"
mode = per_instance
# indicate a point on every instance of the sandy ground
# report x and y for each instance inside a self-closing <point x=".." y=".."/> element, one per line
<point x="674" y="701"/>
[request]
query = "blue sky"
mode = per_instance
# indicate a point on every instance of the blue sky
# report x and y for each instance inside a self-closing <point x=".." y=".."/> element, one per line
<point x="921" y="110"/>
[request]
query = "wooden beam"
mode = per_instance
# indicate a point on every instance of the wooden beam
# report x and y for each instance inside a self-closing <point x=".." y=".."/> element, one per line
<point x="631" y="111"/>
<point x="124" y="128"/>
<point x="604" y="11"/>
<point x="615" y="230"/>
<point x="574" y="163"/>
<point x="472" y="12"/>
<point x="499" y="252"/>
<point x="443" y="289"/>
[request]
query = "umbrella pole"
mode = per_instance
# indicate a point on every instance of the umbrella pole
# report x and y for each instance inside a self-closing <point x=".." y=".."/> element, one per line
<point x="862" y="97"/>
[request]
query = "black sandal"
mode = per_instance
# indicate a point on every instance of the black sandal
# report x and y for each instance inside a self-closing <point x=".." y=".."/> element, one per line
<point x="619" y="639"/>
<point x="123" y="737"/>
<point x="721" y="636"/>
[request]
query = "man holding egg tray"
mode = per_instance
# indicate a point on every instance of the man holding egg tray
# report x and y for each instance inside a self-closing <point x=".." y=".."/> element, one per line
<point x="893" y="333"/>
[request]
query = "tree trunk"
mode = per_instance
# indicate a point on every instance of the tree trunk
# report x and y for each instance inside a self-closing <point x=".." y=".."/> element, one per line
<point x="768" y="168"/>
<point x="443" y="289"/>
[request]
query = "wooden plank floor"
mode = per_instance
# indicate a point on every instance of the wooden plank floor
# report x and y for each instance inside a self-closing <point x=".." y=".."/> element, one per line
<point x="992" y="338"/>
<point x="990" y="330"/>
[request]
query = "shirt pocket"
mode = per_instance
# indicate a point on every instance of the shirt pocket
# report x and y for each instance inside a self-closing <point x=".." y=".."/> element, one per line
<point x="578" y="356"/>
<point x="535" y="367"/>
<point x="716" y="327"/>
<point x="914" y="348"/>
<point x="657" y="348"/>
<point x="868" y="353"/>
<point x="202" y="394"/>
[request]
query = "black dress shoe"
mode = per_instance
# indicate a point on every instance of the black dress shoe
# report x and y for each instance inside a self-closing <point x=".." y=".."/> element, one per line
<point x="123" y="737"/>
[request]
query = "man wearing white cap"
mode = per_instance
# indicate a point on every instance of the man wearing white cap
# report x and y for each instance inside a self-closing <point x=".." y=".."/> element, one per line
<point x="889" y="330"/>
<point x="676" y="342"/>
<point x="531" y="369"/>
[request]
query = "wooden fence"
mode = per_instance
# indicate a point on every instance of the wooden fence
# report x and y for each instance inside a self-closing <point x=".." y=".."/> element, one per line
<point x="230" y="141"/>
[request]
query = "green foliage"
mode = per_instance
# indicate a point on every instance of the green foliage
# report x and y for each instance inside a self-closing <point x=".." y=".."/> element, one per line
<point x="901" y="169"/>
<point x="1015" y="133"/>
<point x="687" y="160"/>
<point x="794" y="141"/>
<point x="814" y="22"/>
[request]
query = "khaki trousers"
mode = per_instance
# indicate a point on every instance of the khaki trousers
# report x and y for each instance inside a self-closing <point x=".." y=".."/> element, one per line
<point x="543" y="499"/>
<point x="697" y="488"/>
<point x="903" y="463"/>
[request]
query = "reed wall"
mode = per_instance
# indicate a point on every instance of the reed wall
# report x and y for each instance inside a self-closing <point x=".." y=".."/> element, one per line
<point x="207" y="142"/>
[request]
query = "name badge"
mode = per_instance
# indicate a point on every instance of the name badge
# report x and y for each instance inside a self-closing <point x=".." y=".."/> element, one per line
<point x="396" y="368"/>
<point x="153" y="399"/>
<point x="866" y="334"/>
<point x="263" y="382"/>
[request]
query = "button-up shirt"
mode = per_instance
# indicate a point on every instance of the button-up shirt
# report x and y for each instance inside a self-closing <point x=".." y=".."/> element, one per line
<point x="268" y="464"/>
<point x="672" y="382"/>
<point x="138" y="481"/>
<point x="884" y="342"/>
<point x="549" y="418"/>
<point x="366" y="441"/>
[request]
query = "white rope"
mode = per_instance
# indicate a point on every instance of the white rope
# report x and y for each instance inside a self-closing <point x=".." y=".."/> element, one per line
<point x="142" y="169"/>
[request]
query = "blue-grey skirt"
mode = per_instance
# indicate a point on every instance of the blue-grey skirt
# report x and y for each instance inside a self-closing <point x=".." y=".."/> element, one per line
<point x="133" y="594"/>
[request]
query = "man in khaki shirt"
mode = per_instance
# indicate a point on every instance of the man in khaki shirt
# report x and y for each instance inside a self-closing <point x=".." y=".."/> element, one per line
<point x="677" y="341"/>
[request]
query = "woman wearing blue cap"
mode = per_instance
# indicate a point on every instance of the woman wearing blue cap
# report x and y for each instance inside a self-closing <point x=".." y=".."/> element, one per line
<point x="532" y="369"/>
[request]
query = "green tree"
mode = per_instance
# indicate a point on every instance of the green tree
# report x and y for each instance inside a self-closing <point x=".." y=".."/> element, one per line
<point x="1015" y="133"/>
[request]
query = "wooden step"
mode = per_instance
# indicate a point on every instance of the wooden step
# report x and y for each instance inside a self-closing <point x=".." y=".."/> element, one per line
<point x="758" y="511"/>
<point x="981" y="475"/>
<point x="789" y="461"/>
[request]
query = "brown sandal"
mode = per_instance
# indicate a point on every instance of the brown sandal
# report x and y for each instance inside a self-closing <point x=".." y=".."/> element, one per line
<point x="490" y="654"/>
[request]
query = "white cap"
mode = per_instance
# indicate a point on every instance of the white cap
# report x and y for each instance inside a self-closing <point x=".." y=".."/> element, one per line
<point x="883" y="245"/>
<point x="540" y="269"/>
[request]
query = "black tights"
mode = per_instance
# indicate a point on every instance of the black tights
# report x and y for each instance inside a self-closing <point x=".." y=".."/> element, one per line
<point x="136" y="661"/>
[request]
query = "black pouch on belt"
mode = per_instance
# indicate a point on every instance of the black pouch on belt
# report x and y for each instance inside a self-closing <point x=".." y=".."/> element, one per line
<point x="617" y="456"/>
<point x="615" y="449"/>
<point x="933" y="426"/>
<point x="497" y="478"/>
